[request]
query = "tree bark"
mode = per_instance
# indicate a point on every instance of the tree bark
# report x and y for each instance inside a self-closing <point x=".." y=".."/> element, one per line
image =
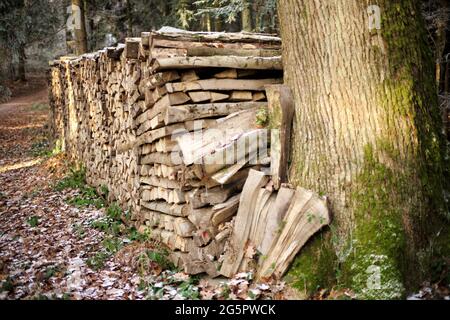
<point x="80" y="26"/>
<point x="367" y="133"/>
<point x="22" y="61"/>
<point x="247" y="17"/>
<point x="440" y="42"/>
<point x="129" y="18"/>
<point x="218" y="24"/>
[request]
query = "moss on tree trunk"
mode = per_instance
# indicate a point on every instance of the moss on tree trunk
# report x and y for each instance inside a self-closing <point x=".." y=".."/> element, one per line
<point x="367" y="133"/>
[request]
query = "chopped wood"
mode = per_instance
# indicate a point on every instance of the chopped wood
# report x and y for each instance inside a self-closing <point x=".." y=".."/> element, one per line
<point x="281" y="113"/>
<point x="241" y="96"/>
<point x="226" y="210"/>
<point x="189" y="75"/>
<point x="199" y="111"/>
<point x="221" y="84"/>
<point x="130" y="114"/>
<point x="211" y="51"/>
<point x="243" y="221"/>
<point x="259" y="63"/>
<point x="306" y="215"/>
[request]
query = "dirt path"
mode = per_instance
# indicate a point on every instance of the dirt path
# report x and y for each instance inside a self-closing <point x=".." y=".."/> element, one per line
<point x="41" y="255"/>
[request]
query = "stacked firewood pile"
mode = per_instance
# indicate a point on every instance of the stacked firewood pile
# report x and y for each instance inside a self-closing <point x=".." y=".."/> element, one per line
<point x="171" y="124"/>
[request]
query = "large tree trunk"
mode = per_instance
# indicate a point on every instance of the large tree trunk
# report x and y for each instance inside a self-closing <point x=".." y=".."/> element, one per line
<point x="129" y="18"/>
<point x="22" y="60"/>
<point x="367" y="133"/>
<point x="247" y="16"/>
<point x="80" y="27"/>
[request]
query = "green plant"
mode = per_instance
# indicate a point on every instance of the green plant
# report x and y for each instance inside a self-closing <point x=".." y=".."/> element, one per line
<point x="33" y="221"/>
<point x="160" y="257"/>
<point x="79" y="230"/>
<point x="98" y="260"/>
<point x="189" y="290"/>
<point x="134" y="235"/>
<point x="41" y="149"/>
<point x="75" y="180"/>
<point x="50" y="272"/>
<point x="88" y="196"/>
<point x="7" y="285"/>
<point x="114" y="212"/>
<point x="112" y="245"/>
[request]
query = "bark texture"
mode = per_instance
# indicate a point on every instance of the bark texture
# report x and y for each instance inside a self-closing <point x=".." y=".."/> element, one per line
<point x="80" y="27"/>
<point x="247" y="17"/>
<point x="367" y="132"/>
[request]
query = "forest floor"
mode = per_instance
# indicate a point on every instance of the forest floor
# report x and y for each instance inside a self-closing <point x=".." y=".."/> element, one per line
<point x="59" y="240"/>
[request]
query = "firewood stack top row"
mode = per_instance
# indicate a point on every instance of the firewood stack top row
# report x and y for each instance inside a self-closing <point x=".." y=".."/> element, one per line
<point x="171" y="123"/>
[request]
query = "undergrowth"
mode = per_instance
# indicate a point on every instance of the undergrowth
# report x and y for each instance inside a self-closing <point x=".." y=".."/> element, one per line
<point x="42" y="148"/>
<point x="115" y="224"/>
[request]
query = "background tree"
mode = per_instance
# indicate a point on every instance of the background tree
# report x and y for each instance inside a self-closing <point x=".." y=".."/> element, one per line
<point x="23" y="23"/>
<point x="368" y="133"/>
<point x="79" y="24"/>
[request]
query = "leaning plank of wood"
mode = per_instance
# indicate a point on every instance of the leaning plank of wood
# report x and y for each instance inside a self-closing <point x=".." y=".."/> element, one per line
<point x="274" y="219"/>
<point x="306" y="215"/>
<point x="261" y="63"/>
<point x="281" y="113"/>
<point x="242" y="226"/>
<point x="264" y="202"/>
<point x="211" y="51"/>
<point x="261" y="208"/>
<point x="199" y="111"/>
<point x="221" y="84"/>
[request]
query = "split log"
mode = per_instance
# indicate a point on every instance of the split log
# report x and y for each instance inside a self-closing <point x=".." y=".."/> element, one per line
<point x="199" y="111"/>
<point x="243" y="222"/>
<point x="211" y="51"/>
<point x="221" y="85"/>
<point x="257" y="63"/>
<point x="226" y="210"/>
<point x="306" y="215"/>
<point x="224" y="37"/>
